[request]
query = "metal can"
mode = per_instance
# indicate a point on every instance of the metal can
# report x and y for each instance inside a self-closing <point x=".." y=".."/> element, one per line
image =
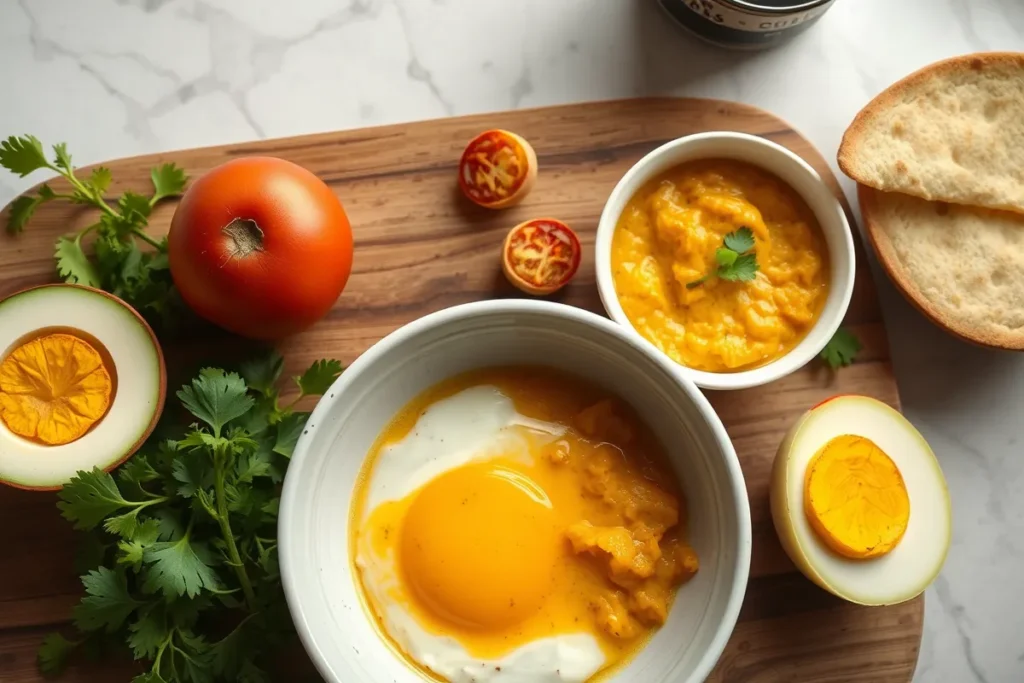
<point x="746" y="24"/>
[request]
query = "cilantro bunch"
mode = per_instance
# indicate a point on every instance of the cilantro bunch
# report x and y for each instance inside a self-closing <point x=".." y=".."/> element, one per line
<point x="185" y="563"/>
<point x="736" y="260"/>
<point x="118" y="265"/>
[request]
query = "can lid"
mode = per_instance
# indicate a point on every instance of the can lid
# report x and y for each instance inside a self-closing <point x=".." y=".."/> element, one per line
<point x="776" y="6"/>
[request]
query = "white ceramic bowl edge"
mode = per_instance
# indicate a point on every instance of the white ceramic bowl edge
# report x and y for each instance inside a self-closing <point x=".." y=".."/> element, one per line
<point x="314" y="516"/>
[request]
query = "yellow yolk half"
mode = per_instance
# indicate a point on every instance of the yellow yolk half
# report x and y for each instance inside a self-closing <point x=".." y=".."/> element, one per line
<point x="855" y="498"/>
<point x="53" y="389"/>
<point x="578" y="533"/>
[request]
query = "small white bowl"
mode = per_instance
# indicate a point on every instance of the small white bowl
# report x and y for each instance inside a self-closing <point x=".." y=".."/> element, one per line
<point x="314" y="517"/>
<point x="796" y="173"/>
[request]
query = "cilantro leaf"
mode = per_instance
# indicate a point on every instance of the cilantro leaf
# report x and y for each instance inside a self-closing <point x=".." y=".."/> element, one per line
<point x="288" y="431"/>
<point x="125" y="526"/>
<point x="841" y="349"/>
<point x="61" y="157"/>
<point x="22" y="209"/>
<point x="252" y="465"/>
<point x="741" y="241"/>
<point x="134" y="208"/>
<point x="178" y="568"/>
<point x="89" y="497"/>
<point x="53" y="654"/>
<point x="138" y="470"/>
<point x="216" y="397"/>
<point x="319" y="377"/>
<point x="148" y="633"/>
<point x="100" y="179"/>
<point x="73" y="265"/>
<point x="107" y="602"/>
<point x="257" y="420"/>
<point x="170" y="525"/>
<point x="743" y="269"/>
<point x="168" y="181"/>
<point x="132" y="550"/>
<point x="261" y="373"/>
<point x="736" y="260"/>
<point x="22" y="155"/>
<point x="194" y="473"/>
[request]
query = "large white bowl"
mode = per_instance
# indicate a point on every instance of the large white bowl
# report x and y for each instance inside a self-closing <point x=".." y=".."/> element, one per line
<point x="314" y="516"/>
<point x="796" y="173"/>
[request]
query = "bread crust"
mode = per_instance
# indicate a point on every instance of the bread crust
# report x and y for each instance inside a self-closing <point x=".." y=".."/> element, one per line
<point x="848" y="155"/>
<point x="886" y="252"/>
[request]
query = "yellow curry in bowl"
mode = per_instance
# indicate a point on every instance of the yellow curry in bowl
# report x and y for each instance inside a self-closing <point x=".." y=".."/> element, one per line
<point x="667" y="265"/>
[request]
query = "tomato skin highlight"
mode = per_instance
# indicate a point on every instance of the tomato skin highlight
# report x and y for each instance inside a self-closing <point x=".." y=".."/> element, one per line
<point x="261" y="247"/>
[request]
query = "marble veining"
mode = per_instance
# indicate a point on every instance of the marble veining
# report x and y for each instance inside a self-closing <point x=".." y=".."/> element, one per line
<point x="120" y="77"/>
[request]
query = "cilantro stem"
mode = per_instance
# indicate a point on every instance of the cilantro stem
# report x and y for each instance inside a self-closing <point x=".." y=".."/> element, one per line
<point x="220" y="459"/>
<point x="160" y="653"/>
<point x="147" y="239"/>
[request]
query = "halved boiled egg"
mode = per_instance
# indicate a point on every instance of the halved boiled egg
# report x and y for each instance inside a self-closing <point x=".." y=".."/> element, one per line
<point x="860" y="503"/>
<point x="81" y="384"/>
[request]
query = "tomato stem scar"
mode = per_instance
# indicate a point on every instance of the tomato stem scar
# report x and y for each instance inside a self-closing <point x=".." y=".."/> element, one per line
<point x="245" y="235"/>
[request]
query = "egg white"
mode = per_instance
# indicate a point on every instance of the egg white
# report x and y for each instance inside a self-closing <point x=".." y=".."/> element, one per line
<point x="906" y="570"/>
<point x="472" y="425"/>
<point x="136" y="360"/>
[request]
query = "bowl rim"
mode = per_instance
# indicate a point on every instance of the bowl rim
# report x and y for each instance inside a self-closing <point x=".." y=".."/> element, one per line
<point x="292" y="499"/>
<point x="837" y="222"/>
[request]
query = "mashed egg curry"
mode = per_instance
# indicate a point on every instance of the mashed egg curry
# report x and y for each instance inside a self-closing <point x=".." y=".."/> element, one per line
<point x="666" y="256"/>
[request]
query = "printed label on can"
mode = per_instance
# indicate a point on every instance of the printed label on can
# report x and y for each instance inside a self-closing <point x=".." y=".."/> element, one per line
<point x="724" y="15"/>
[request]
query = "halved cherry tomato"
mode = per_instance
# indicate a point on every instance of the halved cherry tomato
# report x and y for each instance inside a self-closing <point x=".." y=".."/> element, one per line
<point x="497" y="169"/>
<point x="541" y="256"/>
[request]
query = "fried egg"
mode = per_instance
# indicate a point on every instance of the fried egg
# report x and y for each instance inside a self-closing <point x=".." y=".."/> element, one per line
<point x="498" y="541"/>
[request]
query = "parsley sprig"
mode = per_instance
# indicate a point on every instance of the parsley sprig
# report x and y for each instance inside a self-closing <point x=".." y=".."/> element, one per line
<point x="186" y="572"/>
<point x="118" y="265"/>
<point x="841" y="349"/>
<point x="736" y="260"/>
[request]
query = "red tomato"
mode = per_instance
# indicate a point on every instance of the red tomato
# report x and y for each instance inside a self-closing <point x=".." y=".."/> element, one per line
<point x="540" y="256"/>
<point x="261" y="247"/>
<point x="497" y="169"/>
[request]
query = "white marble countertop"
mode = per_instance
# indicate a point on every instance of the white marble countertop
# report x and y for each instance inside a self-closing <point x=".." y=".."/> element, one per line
<point x="120" y="77"/>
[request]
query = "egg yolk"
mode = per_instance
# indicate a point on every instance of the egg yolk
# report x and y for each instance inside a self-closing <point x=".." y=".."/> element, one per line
<point x="53" y="389"/>
<point x="459" y="567"/>
<point x="855" y="498"/>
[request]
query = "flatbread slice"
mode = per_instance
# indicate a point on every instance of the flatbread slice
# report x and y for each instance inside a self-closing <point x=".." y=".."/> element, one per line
<point x="962" y="266"/>
<point x="952" y="132"/>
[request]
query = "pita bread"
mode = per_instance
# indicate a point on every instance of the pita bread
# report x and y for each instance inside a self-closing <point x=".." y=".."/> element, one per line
<point x="962" y="266"/>
<point x="952" y="132"/>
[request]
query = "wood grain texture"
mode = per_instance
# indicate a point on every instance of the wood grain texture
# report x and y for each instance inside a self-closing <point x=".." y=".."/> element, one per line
<point x="420" y="247"/>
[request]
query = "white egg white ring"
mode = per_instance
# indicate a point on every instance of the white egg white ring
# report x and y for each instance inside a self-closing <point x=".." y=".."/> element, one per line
<point x="910" y="567"/>
<point x="140" y="382"/>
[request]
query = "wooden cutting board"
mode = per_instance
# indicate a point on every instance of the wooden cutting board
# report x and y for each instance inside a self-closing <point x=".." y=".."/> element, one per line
<point x="421" y="247"/>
